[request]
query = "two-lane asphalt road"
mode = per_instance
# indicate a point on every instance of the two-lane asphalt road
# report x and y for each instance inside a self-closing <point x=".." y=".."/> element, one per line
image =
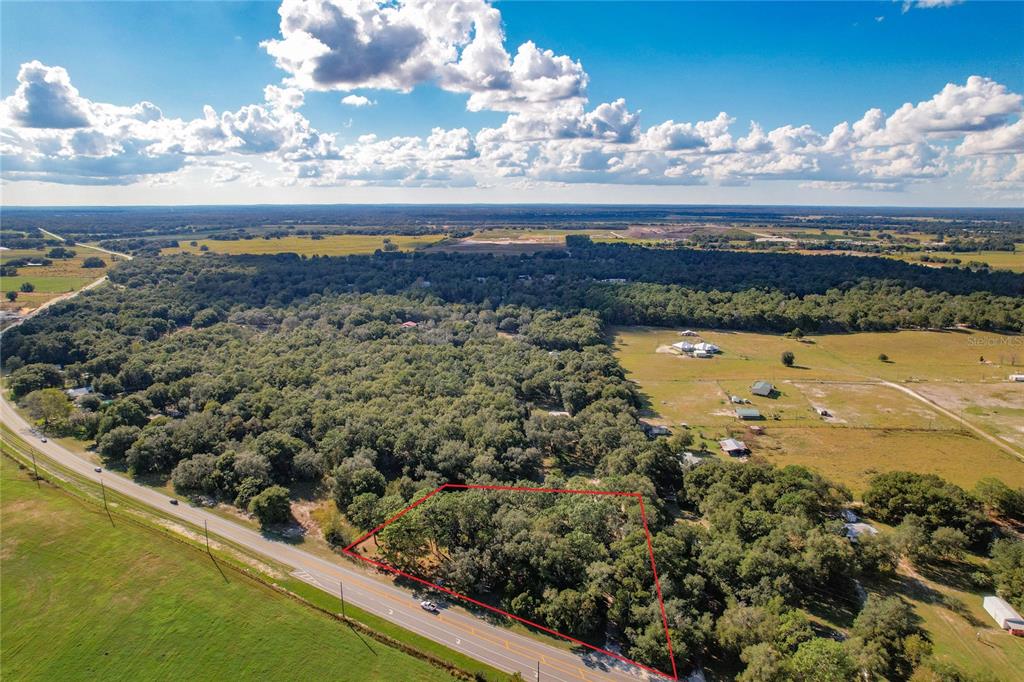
<point x="453" y="626"/>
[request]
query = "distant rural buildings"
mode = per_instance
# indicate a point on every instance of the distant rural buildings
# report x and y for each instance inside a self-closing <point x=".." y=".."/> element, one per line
<point x="762" y="388"/>
<point x="76" y="393"/>
<point x="1017" y="377"/>
<point x="701" y="349"/>
<point x="854" y="531"/>
<point x="854" y="528"/>
<point x="748" y="413"/>
<point x="655" y="429"/>
<point x="1004" y="614"/>
<point x="734" y="448"/>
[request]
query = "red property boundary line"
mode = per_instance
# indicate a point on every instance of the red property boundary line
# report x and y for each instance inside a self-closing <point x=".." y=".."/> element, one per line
<point x="350" y="550"/>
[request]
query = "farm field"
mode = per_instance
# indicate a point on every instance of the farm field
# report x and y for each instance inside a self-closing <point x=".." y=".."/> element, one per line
<point x="853" y="455"/>
<point x="329" y="245"/>
<point x="516" y="241"/>
<point x="60" y="277"/>
<point x="997" y="408"/>
<point x="126" y="602"/>
<point x="871" y="427"/>
<point x="1000" y="260"/>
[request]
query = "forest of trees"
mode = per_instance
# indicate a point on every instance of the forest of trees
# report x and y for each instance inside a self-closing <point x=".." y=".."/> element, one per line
<point x="138" y="221"/>
<point x="763" y="291"/>
<point x="245" y="378"/>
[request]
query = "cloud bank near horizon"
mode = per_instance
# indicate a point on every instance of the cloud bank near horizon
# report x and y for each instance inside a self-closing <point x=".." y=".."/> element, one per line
<point x="972" y="132"/>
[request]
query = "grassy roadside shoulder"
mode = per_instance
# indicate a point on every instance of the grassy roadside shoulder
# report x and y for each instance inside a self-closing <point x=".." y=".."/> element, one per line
<point x="150" y="547"/>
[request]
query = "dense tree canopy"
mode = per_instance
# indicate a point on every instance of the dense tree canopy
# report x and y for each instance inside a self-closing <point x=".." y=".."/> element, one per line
<point x="370" y="380"/>
<point x="933" y="503"/>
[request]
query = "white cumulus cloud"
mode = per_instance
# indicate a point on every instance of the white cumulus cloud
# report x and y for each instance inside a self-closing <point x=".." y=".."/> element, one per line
<point x="357" y="101"/>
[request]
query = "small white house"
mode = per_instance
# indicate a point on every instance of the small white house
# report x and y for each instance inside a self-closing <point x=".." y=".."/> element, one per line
<point x="655" y="429"/>
<point x="691" y="459"/>
<point x="701" y="353"/>
<point x="683" y="346"/>
<point x="706" y="347"/>
<point x="733" y="447"/>
<point x="854" y="531"/>
<point x="1017" y="377"/>
<point x="76" y="393"/>
<point x="1004" y="614"/>
<point x="687" y="332"/>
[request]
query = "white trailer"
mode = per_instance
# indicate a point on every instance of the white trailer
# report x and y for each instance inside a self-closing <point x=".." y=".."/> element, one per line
<point x="1004" y="614"/>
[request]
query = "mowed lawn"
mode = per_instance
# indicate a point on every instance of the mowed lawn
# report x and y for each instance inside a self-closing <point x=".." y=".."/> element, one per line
<point x="872" y="427"/>
<point x="60" y="277"/>
<point x="84" y="600"/>
<point x="329" y="245"/>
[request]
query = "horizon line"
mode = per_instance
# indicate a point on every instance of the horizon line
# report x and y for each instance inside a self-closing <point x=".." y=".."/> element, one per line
<point x="34" y="207"/>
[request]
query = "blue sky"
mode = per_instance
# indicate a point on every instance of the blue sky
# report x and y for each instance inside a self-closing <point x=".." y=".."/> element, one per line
<point x="779" y="64"/>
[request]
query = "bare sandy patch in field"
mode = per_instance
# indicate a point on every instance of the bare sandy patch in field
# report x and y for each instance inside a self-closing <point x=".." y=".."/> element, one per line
<point x="870" y="405"/>
<point x="996" y="408"/>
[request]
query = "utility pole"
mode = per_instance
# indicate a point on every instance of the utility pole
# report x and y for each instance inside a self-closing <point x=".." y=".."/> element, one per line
<point x="103" y="489"/>
<point x="207" y="529"/>
<point x="36" y="468"/>
<point x="341" y="591"/>
<point x="538" y="671"/>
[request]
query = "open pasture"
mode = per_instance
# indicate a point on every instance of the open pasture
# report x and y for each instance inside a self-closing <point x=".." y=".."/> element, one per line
<point x="871" y="426"/>
<point x="996" y="408"/>
<point x="852" y="455"/>
<point x="999" y="260"/>
<point x="90" y="597"/>
<point x="328" y="245"/>
<point x="949" y="604"/>
<point x="508" y="241"/>
<point x="61" y="276"/>
<point x="870" y="406"/>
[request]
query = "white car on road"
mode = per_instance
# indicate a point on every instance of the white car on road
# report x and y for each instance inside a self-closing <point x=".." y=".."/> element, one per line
<point x="428" y="606"/>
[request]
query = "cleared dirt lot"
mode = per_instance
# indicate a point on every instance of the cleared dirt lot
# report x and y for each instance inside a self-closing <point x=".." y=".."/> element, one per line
<point x="996" y="408"/>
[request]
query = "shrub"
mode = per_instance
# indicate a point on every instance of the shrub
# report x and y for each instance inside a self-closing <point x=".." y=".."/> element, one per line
<point x="271" y="506"/>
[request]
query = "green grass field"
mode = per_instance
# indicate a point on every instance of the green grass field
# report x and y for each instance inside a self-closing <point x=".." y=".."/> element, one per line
<point x="950" y="608"/>
<point x="510" y="241"/>
<point x="330" y="245"/>
<point x="1000" y="260"/>
<point x="873" y="427"/>
<point x="82" y="599"/>
<point x="60" y="277"/>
